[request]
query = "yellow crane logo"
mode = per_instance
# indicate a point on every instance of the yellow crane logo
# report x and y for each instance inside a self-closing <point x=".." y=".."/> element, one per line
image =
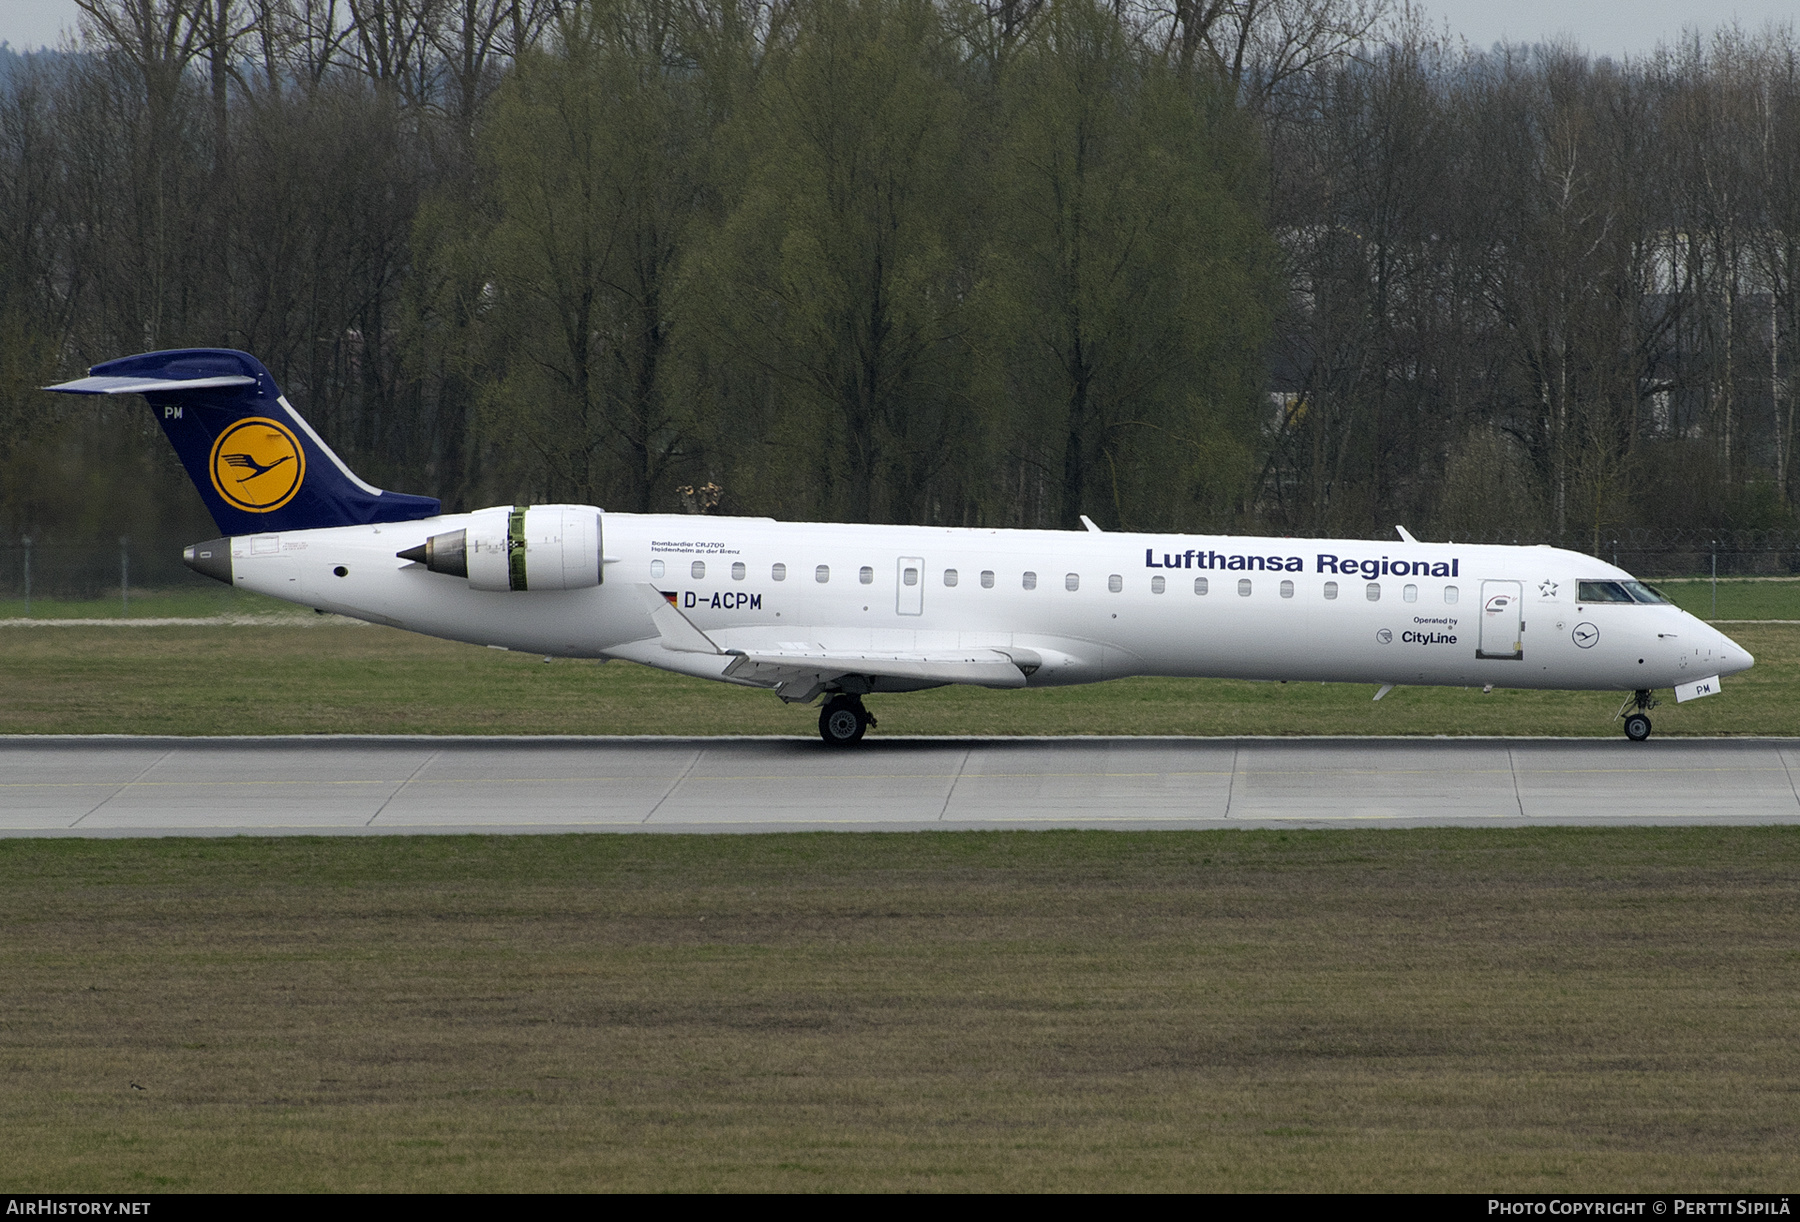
<point x="257" y="465"/>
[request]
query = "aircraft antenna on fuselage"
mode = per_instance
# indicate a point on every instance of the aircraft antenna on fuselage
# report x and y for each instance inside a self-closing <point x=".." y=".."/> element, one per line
<point x="1406" y="534"/>
<point x="1089" y="523"/>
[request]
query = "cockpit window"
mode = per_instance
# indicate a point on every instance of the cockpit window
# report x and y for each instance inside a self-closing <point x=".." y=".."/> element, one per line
<point x="1644" y="593"/>
<point x="1613" y="592"/>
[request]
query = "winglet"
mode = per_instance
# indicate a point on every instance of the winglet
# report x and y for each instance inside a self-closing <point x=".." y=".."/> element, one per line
<point x="677" y="630"/>
<point x="1406" y="534"/>
<point x="1089" y="523"/>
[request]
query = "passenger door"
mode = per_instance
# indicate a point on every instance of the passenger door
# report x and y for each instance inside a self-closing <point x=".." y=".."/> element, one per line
<point x="910" y="599"/>
<point x="1502" y="629"/>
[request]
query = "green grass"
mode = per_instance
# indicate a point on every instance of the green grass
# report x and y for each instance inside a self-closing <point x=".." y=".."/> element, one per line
<point x="200" y="600"/>
<point x="1566" y="1010"/>
<point x="1778" y="599"/>
<point x="356" y="679"/>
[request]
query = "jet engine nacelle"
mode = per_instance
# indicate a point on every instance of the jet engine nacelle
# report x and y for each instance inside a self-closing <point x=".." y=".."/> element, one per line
<point x="519" y="547"/>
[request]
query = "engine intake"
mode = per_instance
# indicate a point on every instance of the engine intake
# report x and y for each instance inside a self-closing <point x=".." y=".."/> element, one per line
<point x="519" y="547"/>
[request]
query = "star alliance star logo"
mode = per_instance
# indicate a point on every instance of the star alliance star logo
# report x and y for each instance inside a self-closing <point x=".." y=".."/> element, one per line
<point x="1547" y="589"/>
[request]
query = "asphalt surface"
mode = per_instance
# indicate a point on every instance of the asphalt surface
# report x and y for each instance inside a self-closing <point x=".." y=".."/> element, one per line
<point x="224" y="786"/>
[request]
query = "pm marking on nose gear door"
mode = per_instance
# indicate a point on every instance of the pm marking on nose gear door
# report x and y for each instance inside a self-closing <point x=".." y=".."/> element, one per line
<point x="257" y="465"/>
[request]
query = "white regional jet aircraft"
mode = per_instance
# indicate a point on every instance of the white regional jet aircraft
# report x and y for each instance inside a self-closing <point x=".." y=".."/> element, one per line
<point x="809" y="610"/>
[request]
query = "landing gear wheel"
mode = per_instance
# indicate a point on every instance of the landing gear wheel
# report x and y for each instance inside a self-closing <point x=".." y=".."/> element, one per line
<point x="843" y="721"/>
<point x="1637" y="725"/>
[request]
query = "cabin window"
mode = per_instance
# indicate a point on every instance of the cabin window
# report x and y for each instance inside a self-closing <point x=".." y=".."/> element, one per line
<point x="907" y="577"/>
<point x="1449" y="594"/>
<point x="1115" y="583"/>
<point x="987" y="579"/>
<point x="1072" y="581"/>
<point x="1200" y="585"/>
<point x="1373" y="590"/>
<point x="656" y="568"/>
<point x="699" y="569"/>
<point x="1243" y="587"/>
<point x="822" y="574"/>
<point x="1287" y="589"/>
<point x="778" y="572"/>
<point x="1331" y="589"/>
<point x="738" y="570"/>
<point x="1410" y="594"/>
<point x="866" y="575"/>
<point x="1157" y="585"/>
<point x="949" y="577"/>
<point x="1030" y="581"/>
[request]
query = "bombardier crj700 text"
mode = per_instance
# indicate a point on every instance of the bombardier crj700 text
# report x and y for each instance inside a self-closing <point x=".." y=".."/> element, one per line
<point x="811" y="610"/>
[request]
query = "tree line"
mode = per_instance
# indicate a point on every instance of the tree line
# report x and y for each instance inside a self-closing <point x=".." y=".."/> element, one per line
<point x="1282" y="267"/>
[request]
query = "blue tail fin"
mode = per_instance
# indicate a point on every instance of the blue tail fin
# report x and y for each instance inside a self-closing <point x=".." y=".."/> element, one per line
<point x="258" y="465"/>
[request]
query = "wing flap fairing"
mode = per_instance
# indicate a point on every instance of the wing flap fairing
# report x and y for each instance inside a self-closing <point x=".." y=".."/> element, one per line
<point x="981" y="667"/>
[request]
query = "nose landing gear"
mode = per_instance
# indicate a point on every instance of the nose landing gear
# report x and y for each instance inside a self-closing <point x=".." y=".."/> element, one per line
<point x="1637" y="724"/>
<point x="843" y="721"/>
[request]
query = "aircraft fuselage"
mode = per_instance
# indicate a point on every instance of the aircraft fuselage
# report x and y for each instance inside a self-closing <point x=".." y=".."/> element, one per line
<point x="1072" y="607"/>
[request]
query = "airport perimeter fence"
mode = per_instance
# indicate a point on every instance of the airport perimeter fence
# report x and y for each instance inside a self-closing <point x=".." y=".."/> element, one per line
<point x="47" y="569"/>
<point x="90" y="570"/>
<point x="1684" y="552"/>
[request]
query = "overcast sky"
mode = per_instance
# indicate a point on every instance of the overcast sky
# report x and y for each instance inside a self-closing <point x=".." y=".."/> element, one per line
<point x="1605" y="27"/>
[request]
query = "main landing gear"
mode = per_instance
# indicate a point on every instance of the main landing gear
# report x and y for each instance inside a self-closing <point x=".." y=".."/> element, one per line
<point x="1637" y="725"/>
<point x="843" y="721"/>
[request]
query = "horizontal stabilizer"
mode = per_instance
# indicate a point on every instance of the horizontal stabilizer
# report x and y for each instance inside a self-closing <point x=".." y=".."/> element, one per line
<point x="143" y="386"/>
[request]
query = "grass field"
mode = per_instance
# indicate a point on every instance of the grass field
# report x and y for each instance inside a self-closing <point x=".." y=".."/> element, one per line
<point x="358" y="679"/>
<point x="1539" y="1009"/>
<point x="1556" y="1009"/>
<point x="300" y="674"/>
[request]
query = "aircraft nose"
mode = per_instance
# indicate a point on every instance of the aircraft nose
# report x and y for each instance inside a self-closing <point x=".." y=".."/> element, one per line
<point x="1733" y="657"/>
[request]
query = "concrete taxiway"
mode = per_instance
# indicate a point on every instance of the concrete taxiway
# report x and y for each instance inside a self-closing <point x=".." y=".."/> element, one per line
<point x="289" y="786"/>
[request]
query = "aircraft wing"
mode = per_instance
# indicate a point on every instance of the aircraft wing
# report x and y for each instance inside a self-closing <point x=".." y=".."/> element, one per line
<point x="790" y="669"/>
<point x="799" y="673"/>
